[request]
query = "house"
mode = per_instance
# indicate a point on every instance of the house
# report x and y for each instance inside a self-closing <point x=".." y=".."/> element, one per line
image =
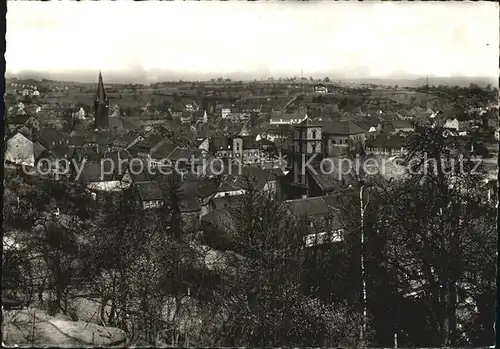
<point x="160" y="156"/>
<point x="452" y="123"/>
<point x="245" y="148"/>
<point x="127" y="140"/>
<point x="371" y="128"/>
<point x="201" y="116"/>
<point x="207" y="188"/>
<point x="218" y="228"/>
<point x="150" y="195"/>
<point x="136" y="172"/>
<point x="79" y="115"/>
<point x="320" y="218"/>
<point x="102" y="141"/>
<point x="189" y="160"/>
<point x="339" y="136"/>
<point x="19" y="149"/>
<point x="320" y="88"/>
<point x="239" y="182"/>
<point x="236" y="115"/>
<point x="282" y="117"/>
<point x="50" y="137"/>
<point x="149" y="144"/>
<point x="23" y="123"/>
<point x="189" y="206"/>
<point x="402" y="126"/>
<point x="98" y="176"/>
<point x="225" y="112"/>
<point x="117" y="124"/>
<point x="191" y="107"/>
<point x="186" y="117"/>
<point x="56" y="160"/>
<point x="386" y="145"/>
<point x="176" y="110"/>
<point x="278" y="132"/>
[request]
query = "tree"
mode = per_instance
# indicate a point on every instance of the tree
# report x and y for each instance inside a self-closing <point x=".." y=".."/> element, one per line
<point x="266" y="304"/>
<point x="431" y="226"/>
<point x="326" y="79"/>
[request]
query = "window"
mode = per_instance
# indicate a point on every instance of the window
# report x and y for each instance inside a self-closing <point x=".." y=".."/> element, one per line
<point x="313" y="148"/>
<point x="314" y="134"/>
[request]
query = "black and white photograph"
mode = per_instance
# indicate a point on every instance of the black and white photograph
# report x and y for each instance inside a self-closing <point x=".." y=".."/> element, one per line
<point x="256" y="174"/>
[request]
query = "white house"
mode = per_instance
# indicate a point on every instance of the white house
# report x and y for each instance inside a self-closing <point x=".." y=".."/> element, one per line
<point x="451" y="123"/>
<point x="80" y="114"/>
<point x="225" y="112"/>
<point x="19" y="150"/>
<point x="321" y="89"/>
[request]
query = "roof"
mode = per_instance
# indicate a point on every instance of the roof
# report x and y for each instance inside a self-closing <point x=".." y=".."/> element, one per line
<point x="116" y="122"/>
<point x="126" y="139"/>
<point x="221" y="219"/>
<point x="323" y="181"/>
<point x="62" y="151"/>
<point x="255" y="176"/>
<point x="186" y="114"/>
<point x="341" y="128"/>
<point x="307" y="122"/>
<point x="280" y="130"/>
<point x="149" y="191"/>
<point x="91" y="172"/>
<point x="317" y="206"/>
<point x="88" y="152"/>
<point x="307" y="207"/>
<point x="138" y="173"/>
<point x="48" y="136"/>
<point x="163" y="151"/>
<point x="188" y="198"/>
<point x="284" y="116"/>
<point x="207" y="186"/>
<point x="101" y="138"/>
<point x="18" y="119"/>
<point x="177" y="106"/>
<point x="391" y="142"/>
<point x="367" y="125"/>
<point x="118" y="160"/>
<point x="151" y="140"/>
<point x="219" y="143"/>
<point x="401" y="124"/>
<point x="185" y="154"/>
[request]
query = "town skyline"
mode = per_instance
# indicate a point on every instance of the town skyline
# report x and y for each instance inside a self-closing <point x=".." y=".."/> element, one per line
<point x="385" y="40"/>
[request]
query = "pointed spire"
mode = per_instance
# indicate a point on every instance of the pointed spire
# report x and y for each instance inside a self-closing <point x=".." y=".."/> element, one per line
<point x="100" y="94"/>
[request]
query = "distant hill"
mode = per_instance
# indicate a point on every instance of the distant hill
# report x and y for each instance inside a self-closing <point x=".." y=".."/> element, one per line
<point x="146" y="77"/>
<point x="410" y="82"/>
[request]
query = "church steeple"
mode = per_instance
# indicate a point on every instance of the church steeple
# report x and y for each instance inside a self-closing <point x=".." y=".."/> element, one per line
<point x="100" y="95"/>
<point x="101" y="106"/>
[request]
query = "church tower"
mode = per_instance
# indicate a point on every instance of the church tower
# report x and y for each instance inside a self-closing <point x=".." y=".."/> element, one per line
<point x="307" y="144"/>
<point x="101" y="107"/>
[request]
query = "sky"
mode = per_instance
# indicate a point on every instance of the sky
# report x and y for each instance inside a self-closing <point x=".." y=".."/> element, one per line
<point x="155" y="39"/>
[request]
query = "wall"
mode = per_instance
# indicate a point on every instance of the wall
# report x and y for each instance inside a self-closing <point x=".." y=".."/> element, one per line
<point x="20" y="150"/>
